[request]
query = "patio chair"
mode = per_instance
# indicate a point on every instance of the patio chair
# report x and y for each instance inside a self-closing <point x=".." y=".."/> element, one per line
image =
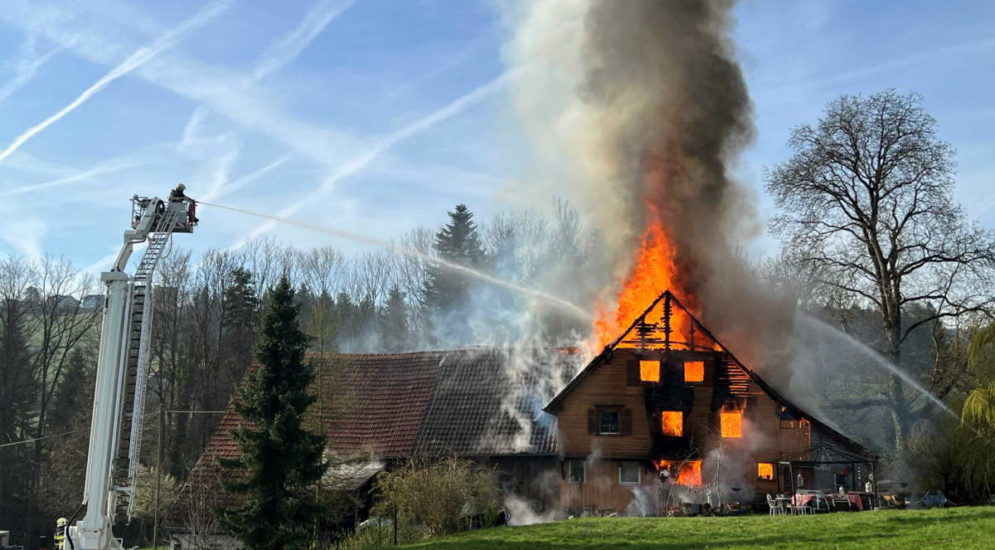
<point x="822" y="504"/>
<point x="776" y="506"/>
<point x="802" y="509"/>
<point x="841" y="502"/>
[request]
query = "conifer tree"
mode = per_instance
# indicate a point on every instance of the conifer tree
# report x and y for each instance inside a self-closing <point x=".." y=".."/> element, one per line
<point x="280" y="460"/>
<point x="446" y="290"/>
<point x="239" y="306"/>
<point x="240" y="301"/>
<point x="395" y="322"/>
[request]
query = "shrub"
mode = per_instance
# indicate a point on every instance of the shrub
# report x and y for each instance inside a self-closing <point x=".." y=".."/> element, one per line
<point x="445" y="496"/>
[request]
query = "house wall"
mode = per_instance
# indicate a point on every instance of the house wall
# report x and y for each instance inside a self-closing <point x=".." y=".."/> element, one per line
<point x="605" y="386"/>
<point x="533" y="478"/>
<point x="732" y="462"/>
<point x="602" y="492"/>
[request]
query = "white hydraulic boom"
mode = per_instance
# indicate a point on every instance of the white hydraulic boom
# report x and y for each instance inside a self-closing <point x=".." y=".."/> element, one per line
<point x="122" y="368"/>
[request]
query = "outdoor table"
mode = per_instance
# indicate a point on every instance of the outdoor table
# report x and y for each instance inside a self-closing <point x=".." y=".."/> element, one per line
<point x="803" y="499"/>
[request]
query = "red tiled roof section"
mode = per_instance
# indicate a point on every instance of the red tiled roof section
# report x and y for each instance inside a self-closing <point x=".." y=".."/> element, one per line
<point x="375" y="403"/>
<point x="396" y="406"/>
<point x="478" y="409"/>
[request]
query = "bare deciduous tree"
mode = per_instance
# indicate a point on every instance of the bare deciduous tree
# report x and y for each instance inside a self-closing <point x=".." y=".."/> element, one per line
<point x="866" y="202"/>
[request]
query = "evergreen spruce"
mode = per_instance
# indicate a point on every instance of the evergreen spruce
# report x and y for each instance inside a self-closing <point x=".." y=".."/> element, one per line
<point x="394" y="325"/>
<point x="240" y="305"/>
<point x="240" y="301"/>
<point x="281" y="461"/>
<point x="446" y="291"/>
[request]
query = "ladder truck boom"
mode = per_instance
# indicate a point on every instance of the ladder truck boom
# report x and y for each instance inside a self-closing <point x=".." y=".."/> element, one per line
<point x="122" y="369"/>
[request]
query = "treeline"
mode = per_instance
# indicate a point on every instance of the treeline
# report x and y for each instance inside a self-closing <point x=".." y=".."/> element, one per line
<point x="204" y="332"/>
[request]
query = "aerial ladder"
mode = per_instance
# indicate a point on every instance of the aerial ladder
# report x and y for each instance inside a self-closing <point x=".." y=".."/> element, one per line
<point x="122" y="372"/>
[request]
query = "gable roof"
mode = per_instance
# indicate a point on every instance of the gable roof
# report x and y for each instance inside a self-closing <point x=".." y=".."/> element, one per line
<point x="401" y="405"/>
<point x="667" y="325"/>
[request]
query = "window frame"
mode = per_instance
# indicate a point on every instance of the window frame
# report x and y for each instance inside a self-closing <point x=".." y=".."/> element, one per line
<point x="618" y="421"/>
<point x="639" y="472"/>
<point x="652" y="364"/>
<point x="723" y="415"/>
<point x="704" y="370"/>
<point x="571" y="462"/>
<point x="773" y="472"/>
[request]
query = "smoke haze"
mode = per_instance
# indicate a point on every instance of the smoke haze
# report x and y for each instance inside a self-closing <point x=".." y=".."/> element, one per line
<point x="641" y="107"/>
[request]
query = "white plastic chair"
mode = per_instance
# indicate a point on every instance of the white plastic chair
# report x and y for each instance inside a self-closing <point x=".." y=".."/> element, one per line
<point x="776" y="506"/>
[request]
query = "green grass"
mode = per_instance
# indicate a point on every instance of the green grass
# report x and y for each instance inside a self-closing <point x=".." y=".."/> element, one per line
<point x="960" y="528"/>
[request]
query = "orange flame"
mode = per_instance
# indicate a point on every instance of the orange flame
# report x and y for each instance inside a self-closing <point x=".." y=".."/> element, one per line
<point x="731" y="423"/>
<point x="694" y="371"/>
<point x="687" y="472"/>
<point x="673" y="423"/>
<point x="649" y="370"/>
<point x="653" y="271"/>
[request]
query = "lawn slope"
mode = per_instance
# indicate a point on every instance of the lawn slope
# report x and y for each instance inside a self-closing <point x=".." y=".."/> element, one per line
<point x="960" y="528"/>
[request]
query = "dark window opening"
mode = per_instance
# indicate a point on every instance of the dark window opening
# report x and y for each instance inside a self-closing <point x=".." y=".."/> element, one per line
<point x="575" y="470"/>
<point x="608" y="422"/>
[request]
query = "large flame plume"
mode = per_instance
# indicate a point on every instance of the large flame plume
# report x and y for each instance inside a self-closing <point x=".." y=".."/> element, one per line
<point x="645" y="106"/>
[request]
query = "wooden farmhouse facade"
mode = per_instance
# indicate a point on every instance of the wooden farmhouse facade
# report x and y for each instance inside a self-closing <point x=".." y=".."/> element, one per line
<point x="664" y="415"/>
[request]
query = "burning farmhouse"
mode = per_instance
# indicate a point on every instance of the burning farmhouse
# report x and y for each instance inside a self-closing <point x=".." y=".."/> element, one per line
<point x="665" y="415"/>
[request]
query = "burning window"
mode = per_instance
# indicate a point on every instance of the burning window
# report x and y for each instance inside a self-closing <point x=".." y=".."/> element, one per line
<point x="687" y="472"/>
<point x="694" y="371"/>
<point x="673" y="423"/>
<point x="690" y="473"/>
<point x="731" y="423"/>
<point x="608" y="422"/>
<point x="628" y="473"/>
<point x="649" y="371"/>
<point x="575" y="470"/>
<point x="765" y="470"/>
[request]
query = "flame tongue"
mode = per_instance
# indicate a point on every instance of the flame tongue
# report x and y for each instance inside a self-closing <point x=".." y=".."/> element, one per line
<point x="653" y="271"/>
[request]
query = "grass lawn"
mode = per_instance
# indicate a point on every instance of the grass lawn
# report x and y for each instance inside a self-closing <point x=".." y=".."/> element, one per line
<point x="959" y="528"/>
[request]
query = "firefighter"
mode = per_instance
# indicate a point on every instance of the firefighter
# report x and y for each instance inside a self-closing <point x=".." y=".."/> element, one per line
<point x="60" y="533"/>
<point x="177" y="195"/>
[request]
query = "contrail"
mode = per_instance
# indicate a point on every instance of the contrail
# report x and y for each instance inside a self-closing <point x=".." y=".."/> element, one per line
<point x="246" y="179"/>
<point x="133" y="61"/>
<point x="560" y="303"/>
<point x="359" y="163"/>
<point x="284" y="51"/>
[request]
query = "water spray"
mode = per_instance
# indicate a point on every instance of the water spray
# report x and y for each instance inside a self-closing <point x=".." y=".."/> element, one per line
<point x="559" y="303"/>
<point x="878" y="360"/>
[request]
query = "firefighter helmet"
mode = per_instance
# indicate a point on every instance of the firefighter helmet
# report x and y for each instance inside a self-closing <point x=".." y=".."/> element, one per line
<point x="61" y="522"/>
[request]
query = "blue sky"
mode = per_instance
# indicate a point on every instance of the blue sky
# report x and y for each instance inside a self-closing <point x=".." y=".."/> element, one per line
<point x="379" y="115"/>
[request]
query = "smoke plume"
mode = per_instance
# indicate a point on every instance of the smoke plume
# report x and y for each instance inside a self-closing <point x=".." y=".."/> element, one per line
<point x="641" y="106"/>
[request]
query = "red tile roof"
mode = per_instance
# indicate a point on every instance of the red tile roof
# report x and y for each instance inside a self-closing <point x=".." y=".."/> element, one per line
<point x="395" y="406"/>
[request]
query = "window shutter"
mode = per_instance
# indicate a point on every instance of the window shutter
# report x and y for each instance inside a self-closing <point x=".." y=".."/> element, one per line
<point x="592" y="421"/>
<point x="633" y="373"/>
<point x="625" y="422"/>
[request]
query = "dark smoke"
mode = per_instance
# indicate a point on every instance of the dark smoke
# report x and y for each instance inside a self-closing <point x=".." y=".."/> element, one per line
<point x="655" y="117"/>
